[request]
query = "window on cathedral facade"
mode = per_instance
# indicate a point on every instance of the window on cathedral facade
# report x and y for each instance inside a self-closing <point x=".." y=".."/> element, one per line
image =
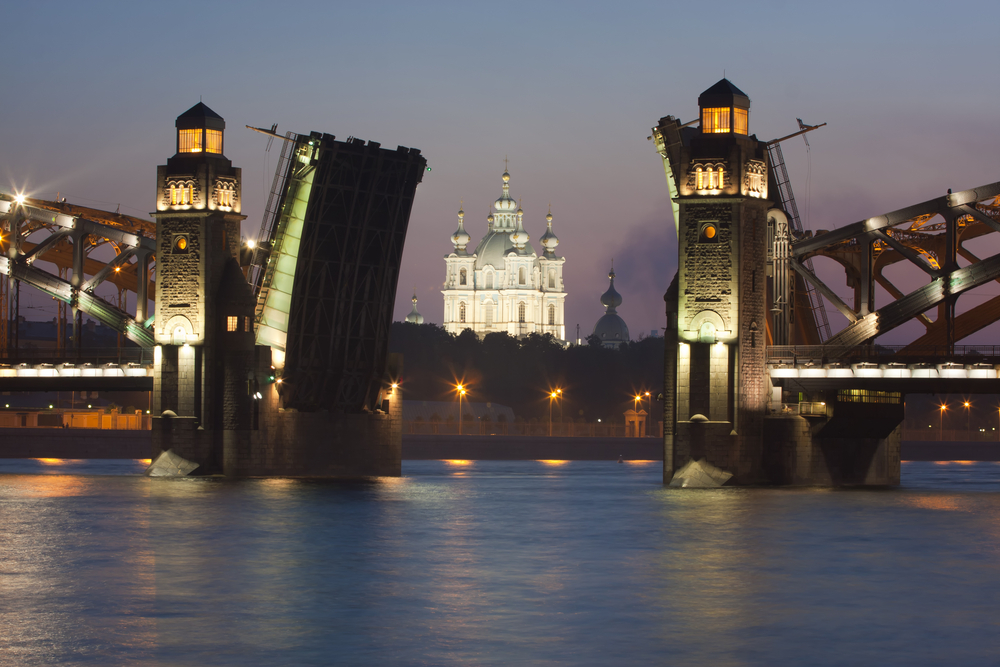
<point x="461" y="311"/>
<point x="231" y="322"/>
<point x="489" y="280"/>
<point x="552" y="314"/>
<point x="520" y="277"/>
<point x="463" y="279"/>
<point x="552" y="278"/>
<point x="521" y="309"/>
<point x="488" y="314"/>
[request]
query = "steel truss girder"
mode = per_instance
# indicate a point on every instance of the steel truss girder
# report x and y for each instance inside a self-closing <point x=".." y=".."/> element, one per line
<point x="947" y="283"/>
<point x="78" y="295"/>
<point x="951" y="203"/>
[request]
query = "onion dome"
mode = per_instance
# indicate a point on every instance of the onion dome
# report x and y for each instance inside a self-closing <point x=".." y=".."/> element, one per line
<point x="414" y="317"/>
<point x="519" y="237"/>
<point x="461" y="237"/>
<point x="505" y="204"/>
<point x="489" y="222"/>
<point x="549" y="240"/>
<point x="611" y="299"/>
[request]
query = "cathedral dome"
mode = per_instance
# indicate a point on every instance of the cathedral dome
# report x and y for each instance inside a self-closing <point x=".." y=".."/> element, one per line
<point x="611" y="330"/>
<point x="494" y="247"/>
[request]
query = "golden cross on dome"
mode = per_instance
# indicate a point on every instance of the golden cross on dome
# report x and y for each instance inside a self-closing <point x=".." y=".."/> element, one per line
<point x="505" y="163"/>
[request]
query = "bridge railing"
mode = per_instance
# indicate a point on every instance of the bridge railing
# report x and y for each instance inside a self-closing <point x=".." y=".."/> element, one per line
<point x="907" y="354"/>
<point x="97" y="356"/>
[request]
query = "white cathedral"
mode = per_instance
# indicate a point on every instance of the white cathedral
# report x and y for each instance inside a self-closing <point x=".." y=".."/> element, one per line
<point x="504" y="285"/>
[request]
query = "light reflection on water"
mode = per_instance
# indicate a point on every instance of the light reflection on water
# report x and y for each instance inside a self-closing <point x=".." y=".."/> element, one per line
<point x="477" y="562"/>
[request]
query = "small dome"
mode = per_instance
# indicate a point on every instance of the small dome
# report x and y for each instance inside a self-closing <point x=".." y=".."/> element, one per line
<point x="549" y="240"/>
<point x="414" y="317"/>
<point x="519" y="237"/>
<point x="505" y="204"/>
<point x="461" y="237"/>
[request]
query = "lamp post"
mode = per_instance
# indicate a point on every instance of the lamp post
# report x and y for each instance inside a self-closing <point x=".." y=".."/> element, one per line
<point x="649" y="411"/>
<point x="942" y="407"/>
<point x="968" y="417"/>
<point x="461" y="393"/>
<point x="553" y="395"/>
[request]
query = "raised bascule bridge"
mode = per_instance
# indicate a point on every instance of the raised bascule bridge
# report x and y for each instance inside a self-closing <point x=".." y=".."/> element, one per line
<point x="264" y="357"/>
<point x="755" y="381"/>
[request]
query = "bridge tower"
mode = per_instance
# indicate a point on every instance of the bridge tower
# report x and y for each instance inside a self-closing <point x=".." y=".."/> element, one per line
<point x="203" y="372"/>
<point x="716" y="380"/>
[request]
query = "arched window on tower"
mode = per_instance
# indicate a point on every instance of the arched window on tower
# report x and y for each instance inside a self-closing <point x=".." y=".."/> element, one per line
<point x="461" y="313"/>
<point x="521" y="310"/>
<point x="552" y="278"/>
<point x="521" y="277"/>
<point x="700" y="179"/>
<point x="488" y="314"/>
<point x="489" y="280"/>
<point x="552" y="314"/>
<point x="463" y="278"/>
<point x="711" y="179"/>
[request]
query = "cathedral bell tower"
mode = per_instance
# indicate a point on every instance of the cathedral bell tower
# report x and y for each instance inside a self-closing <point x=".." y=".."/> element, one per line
<point x="198" y="219"/>
<point x="719" y="392"/>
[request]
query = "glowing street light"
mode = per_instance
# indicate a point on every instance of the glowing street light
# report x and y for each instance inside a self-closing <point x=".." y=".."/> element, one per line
<point x="553" y="395"/>
<point x="968" y="417"/>
<point x="943" y="407"/>
<point x="461" y="392"/>
<point x="20" y="199"/>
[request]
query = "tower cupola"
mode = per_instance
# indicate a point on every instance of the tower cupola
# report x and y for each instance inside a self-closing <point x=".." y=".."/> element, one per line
<point x="461" y="237"/>
<point x="200" y="130"/>
<point x="549" y="240"/>
<point x="725" y="109"/>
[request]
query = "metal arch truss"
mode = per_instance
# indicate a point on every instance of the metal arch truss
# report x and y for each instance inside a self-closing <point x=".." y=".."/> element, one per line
<point x="131" y="238"/>
<point x="930" y="236"/>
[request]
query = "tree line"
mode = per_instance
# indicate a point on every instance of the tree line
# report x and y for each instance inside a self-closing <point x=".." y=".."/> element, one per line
<point x="596" y="382"/>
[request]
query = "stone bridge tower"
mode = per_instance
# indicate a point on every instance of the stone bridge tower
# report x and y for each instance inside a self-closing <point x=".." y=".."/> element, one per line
<point x="204" y="320"/>
<point x="716" y="384"/>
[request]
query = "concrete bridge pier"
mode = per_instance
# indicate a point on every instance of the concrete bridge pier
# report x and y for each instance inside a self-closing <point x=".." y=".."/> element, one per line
<point x="835" y="443"/>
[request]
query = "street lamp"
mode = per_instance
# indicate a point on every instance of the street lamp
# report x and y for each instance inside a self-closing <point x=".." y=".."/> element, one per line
<point x="649" y="410"/>
<point x="968" y="417"/>
<point x="943" y="407"/>
<point x="461" y="393"/>
<point x="553" y="395"/>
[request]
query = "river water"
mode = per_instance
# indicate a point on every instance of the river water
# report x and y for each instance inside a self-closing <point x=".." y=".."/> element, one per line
<point x="495" y="563"/>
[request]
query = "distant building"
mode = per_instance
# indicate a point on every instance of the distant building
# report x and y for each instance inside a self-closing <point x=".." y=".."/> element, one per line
<point x="611" y="329"/>
<point x="504" y="285"/>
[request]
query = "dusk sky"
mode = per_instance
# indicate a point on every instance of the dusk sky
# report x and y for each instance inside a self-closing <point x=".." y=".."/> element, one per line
<point x="567" y="91"/>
